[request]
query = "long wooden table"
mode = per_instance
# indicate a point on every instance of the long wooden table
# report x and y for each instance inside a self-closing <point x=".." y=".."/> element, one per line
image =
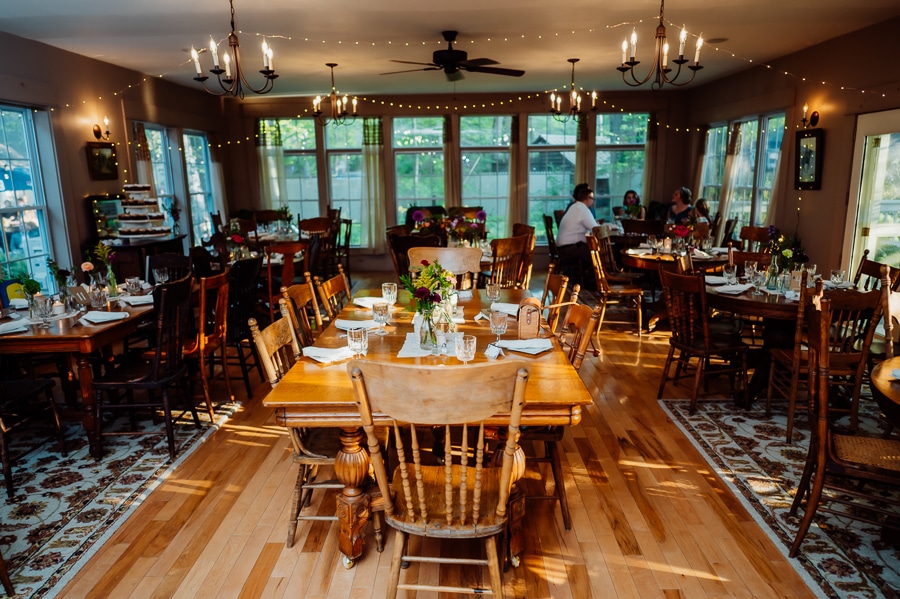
<point x="69" y="336"/>
<point x="318" y="395"/>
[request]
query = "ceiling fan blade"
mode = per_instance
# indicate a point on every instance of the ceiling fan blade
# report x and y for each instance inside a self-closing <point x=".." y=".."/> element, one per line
<point x="424" y="64"/>
<point x="412" y="70"/>
<point x="478" y="62"/>
<point x="494" y="71"/>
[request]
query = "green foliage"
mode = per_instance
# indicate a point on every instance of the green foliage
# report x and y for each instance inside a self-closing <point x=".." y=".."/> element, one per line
<point x="29" y="285"/>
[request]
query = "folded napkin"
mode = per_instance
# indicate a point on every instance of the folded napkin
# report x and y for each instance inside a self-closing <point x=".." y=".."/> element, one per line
<point x="13" y="327"/>
<point x="644" y="246"/>
<point x="791" y="296"/>
<point x="97" y="317"/>
<point x="412" y="349"/>
<point x="715" y="280"/>
<point x="346" y="325"/>
<point x="509" y="309"/>
<point x="137" y="300"/>
<point x="736" y="289"/>
<point x="638" y="251"/>
<point x="18" y="303"/>
<point x="844" y="285"/>
<point x="718" y="251"/>
<point x="527" y="346"/>
<point x="367" y="302"/>
<point x="327" y="355"/>
<point x="700" y="254"/>
<point x="458" y="317"/>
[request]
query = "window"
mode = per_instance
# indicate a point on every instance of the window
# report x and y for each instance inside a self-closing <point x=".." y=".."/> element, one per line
<point x="714" y="167"/>
<point x="484" y="141"/>
<point x="620" y="159"/>
<point x="298" y="141"/>
<point x="197" y="166"/>
<point x="551" y="168"/>
<point x="158" y="145"/>
<point x="343" y="148"/>
<point x="25" y="246"/>
<point x="419" y="162"/>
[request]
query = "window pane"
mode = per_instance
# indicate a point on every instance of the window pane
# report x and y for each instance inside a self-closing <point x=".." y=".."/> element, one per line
<point x="551" y="179"/>
<point x="344" y="136"/>
<point x="770" y="148"/>
<point x="485" y="183"/>
<point x="297" y="134"/>
<point x="714" y="167"/>
<point x="345" y="176"/>
<point x="484" y="131"/>
<point x="744" y="169"/>
<point x="617" y="172"/>
<point x="413" y="132"/>
<point x="544" y="130"/>
<point x="196" y="158"/>
<point x="302" y="184"/>
<point x="621" y="128"/>
<point x="158" y="145"/>
<point x="419" y="175"/>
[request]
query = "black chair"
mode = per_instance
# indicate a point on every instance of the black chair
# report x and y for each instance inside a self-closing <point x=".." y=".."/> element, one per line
<point x="399" y="245"/>
<point x="153" y="371"/>
<point x="242" y="302"/>
<point x="179" y="266"/>
<point x="342" y="246"/>
<point x="551" y="239"/>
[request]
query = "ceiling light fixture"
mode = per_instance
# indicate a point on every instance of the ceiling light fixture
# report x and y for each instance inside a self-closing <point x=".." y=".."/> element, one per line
<point x="234" y="81"/>
<point x="339" y="113"/>
<point x="660" y="70"/>
<point x="574" y="101"/>
<point x="104" y="132"/>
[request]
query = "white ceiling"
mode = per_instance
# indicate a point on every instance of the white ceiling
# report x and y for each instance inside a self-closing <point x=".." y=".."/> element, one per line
<point x="363" y="36"/>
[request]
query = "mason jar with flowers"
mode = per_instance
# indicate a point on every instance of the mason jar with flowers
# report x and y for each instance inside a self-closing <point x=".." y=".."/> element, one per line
<point x="236" y="242"/>
<point x="105" y="255"/>
<point x="61" y="276"/>
<point x="787" y="253"/>
<point x="428" y="285"/>
<point x="466" y="232"/>
<point x="683" y="235"/>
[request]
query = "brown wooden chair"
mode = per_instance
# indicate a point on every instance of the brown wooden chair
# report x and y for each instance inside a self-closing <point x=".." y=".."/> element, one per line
<point x="609" y="292"/>
<point x="342" y="246"/>
<point x="840" y="462"/>
<point x="303" y="306"/>
<point x="334" y="293"/>
<point x="701" y="231"/>
<point x="633" y="226"/>
<point x="283" y="274"/>
<point x="551" y="239"/>
<point x="753" y="239"/>
<point x="323" y="229"/>
<point x="519" y="229"/>
<point x="248" y="228"/>
<point x="4" y="578"/>
<point x="465" y="263"/>
<point x="216" y="220"/>
<point x="728" y="230"/>
<point x="217" y="244"/>
<point x="211" y="334"/>
<point x="691" y="336"/>
<point x="740" y="257"/>
<point x="462" y="499"/>
<point x="399" y="246"/>
<point x="243" y="298"/>
<point x="554" y="292"/>
<point x="607" y="255"/>
<point x="265" y="217"/>
<point x="868" y="275"/>
<point x="508" y="261"/>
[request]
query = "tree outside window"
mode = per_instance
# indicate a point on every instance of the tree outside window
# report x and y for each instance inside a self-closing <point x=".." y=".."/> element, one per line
<point x="551" y="168"/>
<point x="418" y="162"/>
<point x="484" y="141"/>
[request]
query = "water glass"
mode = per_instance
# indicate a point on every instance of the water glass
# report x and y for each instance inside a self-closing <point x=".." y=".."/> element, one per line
<point x="465" y="348"/>
<point x="99" y="298"/>
<point x="441" y="330"/>
<point x="730" y="272"/>
<point x="381" y="310"/>
<point x="653" y="243"/>
<point x="389" y="292"/>
<point x="784" y="282"/>
<point x="358" y="341"/>
<point x="43" y="308"/>
<point x="749" y="269"/>
<point x="161" y="275"/>
<point x="498" y="323"/>
<point x="759" y="281"/>
<point x="837" y="276"/>
<point x="810" y="271"/>
<point x="133" y="285"/>
<point x="493" y="291"/>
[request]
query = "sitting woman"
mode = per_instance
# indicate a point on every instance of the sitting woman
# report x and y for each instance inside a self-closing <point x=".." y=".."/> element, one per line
<point x="681" y="208"/>
<point x="702" y="210"/>
<point x="632" y="206"/>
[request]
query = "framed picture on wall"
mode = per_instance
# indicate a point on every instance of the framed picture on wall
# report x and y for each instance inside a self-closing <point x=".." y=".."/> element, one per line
<point x="808" y="159"/>
<point x="101" y="160"/>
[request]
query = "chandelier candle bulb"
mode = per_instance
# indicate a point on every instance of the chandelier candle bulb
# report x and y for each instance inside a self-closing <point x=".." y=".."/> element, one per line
<point x="227" y="58"/>
<point x="354" y="105"/>
<point x="271" y="66"/>
<point x="265" y="53"/>
<point x="633" y="44"/>
<point x="624" y="51"/>
<point x="593" y="99"/>
<point x="805" y="110"/>
<point x="681" y="39"/>
<point x="214" y="50"/>
<point x="106" y="123"/>
<point x="196" y="58"/>
<point x="699" y="45"/>
<point x="665" y="59"/>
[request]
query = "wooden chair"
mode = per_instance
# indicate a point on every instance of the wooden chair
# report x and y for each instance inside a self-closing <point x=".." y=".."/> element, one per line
<point x="323" y="229"/>
<point x="551" y="239"/>
<point x="342" y="246"/>
<point x="701" y="231"/>
<point x="242" y="302"/>
<point x="179" y="266"/>
<point x="508" y="263"/>
<point x="868" y="275"/>
<point x="557" y="216"/>
<point x="728" y="231"/>
<point x="554" y="292"/>
<point x="211" y="334"/>
<point x="303" y="305"/>
<point x="753" y="239"/>
<point x="519" y="229"/>
<point x="202" y="262"/>
<point x="248" y="228"/>
<point x="216" y="220"/>
<point x="218" y="244"/>
<point x="156" y="370"/>
<point x="607" y="255"/>
<point x="691" y="336"/>
<point x="633" y="226"/>
<point x="835" y="457"/>
<point x="400" y="245"/>
<point x="283" y="274"/>
<point x="739" y="257"/>
<point x="265" y="217"/>
<point x="4" y="578"/>
<point x="609" y="292"/>
<point x="465" y="263"/>
<point x="20" y="400"/>
<point x="334" y="293"/>
<point x="457" y="500"/>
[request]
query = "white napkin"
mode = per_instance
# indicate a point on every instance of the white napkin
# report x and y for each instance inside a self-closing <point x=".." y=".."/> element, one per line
<point x="509" y="309"/>
<point x="97" y="317"/>
<point x="367" y="302"/>
<point x="700" y="254"/>
<point x="13" y="327"/>
<point x="715" y="280"/>
<point x="527" y="346"/>
<point x="718" y="251"/>
<point x="844" y="285"/>
<point x="327" y="355"/>
<point x="18" y="303"/>
<point x="896" y="373"/>
<point x="736" y="289"/>
<point x="458" y="317"/>
<point x="791" y="296"/>
<point x="346" y="325"/>
<point x="411" y="348"/>
<point x="137" y="300"/>
<point x="638" y="251"/>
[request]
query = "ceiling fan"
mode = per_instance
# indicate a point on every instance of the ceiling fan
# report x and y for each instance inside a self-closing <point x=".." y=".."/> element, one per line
<point x="454" y="62"/>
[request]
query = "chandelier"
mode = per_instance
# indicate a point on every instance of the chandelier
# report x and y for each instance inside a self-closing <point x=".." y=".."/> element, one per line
<point x="339" y="113"/>
<point x="574" y="101"/>
<point x="660" y="71"/>
<point x="234" y="81"/>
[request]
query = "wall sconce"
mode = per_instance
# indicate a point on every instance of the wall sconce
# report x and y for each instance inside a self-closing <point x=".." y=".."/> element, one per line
<point x="104" y="133"/>
<point x="813" y="119"/>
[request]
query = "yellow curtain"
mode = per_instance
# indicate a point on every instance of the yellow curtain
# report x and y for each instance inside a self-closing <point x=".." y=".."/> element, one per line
<point x="374" y="198"/>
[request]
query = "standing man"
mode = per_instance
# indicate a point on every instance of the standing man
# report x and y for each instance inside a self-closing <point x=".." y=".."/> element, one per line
<point x="571" y="242"/>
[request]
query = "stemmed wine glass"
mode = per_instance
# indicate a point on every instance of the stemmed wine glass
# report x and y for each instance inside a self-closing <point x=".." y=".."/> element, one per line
<point x="465" y="348"/>
<point x="498" y="323"/>
<point x="389" y="294"/>
<point x="358" y="341"/>
<point x="381" y="310"/>
<point x="750" y="270"/>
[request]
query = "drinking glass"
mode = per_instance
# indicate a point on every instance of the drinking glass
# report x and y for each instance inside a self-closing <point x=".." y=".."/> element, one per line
<point x="99" y="298"/>
<point x="837" y="276"/>
<point x="43" y="307"/>
<point x="810" y="271"/>
<point x="389" y="292"/>
<point x="358" y="341"/>
<point x="465" y="348"/>
<point x="493" y="291"/>
<point x="161" y="275"/>
<point x="133" y="285"/>
<point x="381" y="310"/>
<point x="441" y="330"/>
<point x="759" y="281"/>
<point x="749" y="270"/>
<point x="653" y="243"/>
<point x="730" y="271"/>
<point x="498" y="323"/>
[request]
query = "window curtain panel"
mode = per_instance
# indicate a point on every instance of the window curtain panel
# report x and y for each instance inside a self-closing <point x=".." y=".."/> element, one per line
<point x="216" y="186"/>
<point x="374" y="198"/>
<point x="452" y="159"/>
<point x="518" y="192"/>
<point x="583" y="162"/>
<point x="778" y="189"/>
<point x="649" y="190"/>
<point x="143" y="166"/>
<point x="701" y="159"/>
<point x="272" y="180"/>
<point x="731" y="165"/>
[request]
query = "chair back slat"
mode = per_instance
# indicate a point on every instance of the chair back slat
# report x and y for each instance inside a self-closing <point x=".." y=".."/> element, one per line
<point x="508" y="267"/>
<point x="303" y="305"/>
<point x="400" y="245"/>
<point x="551" y="239"/>
<point x="173" y="314"/>
<point x="577" y="331"/>
<point x="276" y="345"/>
<point x="242" y="298"/>
<point x="334" y="293"/>
<point x="686" y="308"/>
<point x="868" y="275"/>
<point x="554" y="290"/>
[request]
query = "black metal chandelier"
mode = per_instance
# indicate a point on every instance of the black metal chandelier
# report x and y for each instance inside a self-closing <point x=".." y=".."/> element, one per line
<point x="574" y="101"/>
<point x="339" y="113"/>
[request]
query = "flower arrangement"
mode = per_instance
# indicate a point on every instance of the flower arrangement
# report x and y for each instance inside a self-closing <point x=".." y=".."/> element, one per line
<point x="682" y="231"/>
<point x="29" y="285"/>
<point x="463" y="229"/>
<point x="104" y="254"/>
<point x="61" y="275"/>
<point x="787" y="248"/>
<point x="87" y="267"/>
<point x="430" y="285"/>
<point x="418" y="218"/>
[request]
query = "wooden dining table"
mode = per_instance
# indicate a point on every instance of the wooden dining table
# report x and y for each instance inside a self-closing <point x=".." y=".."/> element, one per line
<point x="69" y="335"/>
<point x="886" y="389"/>
<point x="320" y="395"/>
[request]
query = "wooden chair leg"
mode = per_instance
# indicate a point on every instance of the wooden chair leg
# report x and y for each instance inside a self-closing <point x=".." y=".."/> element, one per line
<point x="396" y="562"/>
<point x="559" y="482"/>
<point x="665" y="372"/>
<point x="490" y="548"/>
<point x="698" y="375"/>
<point x="4" y="577"/>
<point x="812" y="504"/>
<point x="7" y="463"/>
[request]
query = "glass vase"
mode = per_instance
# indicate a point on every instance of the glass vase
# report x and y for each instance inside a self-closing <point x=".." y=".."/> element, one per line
<point x="427" y="332"/>
<point x="772" y="275"/>
<point x="112" y="287"/>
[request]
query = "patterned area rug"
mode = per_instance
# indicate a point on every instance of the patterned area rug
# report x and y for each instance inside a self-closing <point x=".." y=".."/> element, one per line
<point x="839" y="557"/>
<point x="64" y="508"/>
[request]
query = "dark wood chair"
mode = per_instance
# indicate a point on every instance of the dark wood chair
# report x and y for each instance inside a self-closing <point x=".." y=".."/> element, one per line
<point x="719" y="353"/>
<point x="342" y="246"/>
<point x="265" y="217"/>
<point x="518" y="230"/>
<point x="217" y="224"/>
<point x="753" y="239"/>
<point x="508" y="261"/>
<point x="551" y="239"/>
<point x="334" y="293"/>
<point x="303" y="307"/>
<point x="633" y="226"/>
<point x="459" y="500"/>
<point x="554" y="291"/>
<point x="611" y="292"/>
<point x="282" y="274"/>
<point x="728" y="231"/>
<point x="4" y="578"/>
<point x="324" y="230"/>
<point x="242" y="302"/>
<point x="399" y="245"/>
<point x="179" y="266"/>
<point x="607" y="254"/>
<point x="868" y="275"/>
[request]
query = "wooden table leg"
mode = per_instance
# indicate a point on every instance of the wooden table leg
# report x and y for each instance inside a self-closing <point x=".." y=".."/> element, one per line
<point x="85" y="380"/>
<point x="351" y="467"/>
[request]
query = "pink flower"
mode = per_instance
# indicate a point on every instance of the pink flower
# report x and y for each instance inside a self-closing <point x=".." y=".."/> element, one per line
<point x="87" y="266"/>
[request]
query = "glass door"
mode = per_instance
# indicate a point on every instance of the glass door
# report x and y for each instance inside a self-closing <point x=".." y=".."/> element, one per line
<point x="877" y="226"/>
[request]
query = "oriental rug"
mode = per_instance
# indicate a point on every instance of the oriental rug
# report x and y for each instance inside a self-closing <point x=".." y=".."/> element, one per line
<point x="64" y="508"/>
<point x="839" y="557"/>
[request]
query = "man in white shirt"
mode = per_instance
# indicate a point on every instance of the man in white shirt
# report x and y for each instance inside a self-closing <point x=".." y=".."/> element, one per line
<point x="576" y="224"/>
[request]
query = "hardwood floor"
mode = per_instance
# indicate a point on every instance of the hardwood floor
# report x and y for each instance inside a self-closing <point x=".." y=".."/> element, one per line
<point x="650" y="518"/>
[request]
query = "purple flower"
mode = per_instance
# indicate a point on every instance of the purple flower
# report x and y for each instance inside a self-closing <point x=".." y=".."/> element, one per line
<point x="481" y="215"/>
<point x="436" y="297"/>
<point x="418" y="216"/>
<point x="773" y="232"/>
<point x="422" y="293"/>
